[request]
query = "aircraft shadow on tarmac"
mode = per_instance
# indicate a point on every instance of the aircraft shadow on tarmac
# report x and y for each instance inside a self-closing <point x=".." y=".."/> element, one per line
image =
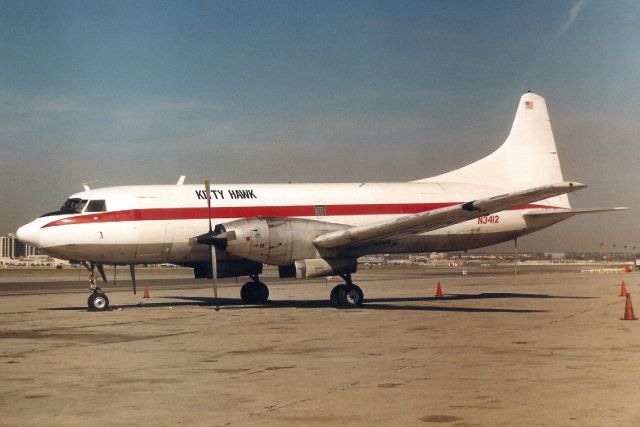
<point x="391" y="304"/>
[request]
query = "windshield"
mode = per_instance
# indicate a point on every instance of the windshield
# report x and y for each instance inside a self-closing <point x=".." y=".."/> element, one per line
<point x="71" y="206"/>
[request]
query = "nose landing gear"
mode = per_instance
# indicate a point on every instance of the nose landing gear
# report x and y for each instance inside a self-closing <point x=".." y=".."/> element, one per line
<point x="98" y="300"/>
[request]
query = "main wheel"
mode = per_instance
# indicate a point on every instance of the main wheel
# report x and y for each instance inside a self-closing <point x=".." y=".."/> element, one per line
<point x="246" y="292"/>
<point x="333" y="297"/>
<point x="261" y="294"/>
<point x="358" y="290"/>
<point x="98" y="302"/>
<point x="350" y="296"/>
<point x="254" y="293"/>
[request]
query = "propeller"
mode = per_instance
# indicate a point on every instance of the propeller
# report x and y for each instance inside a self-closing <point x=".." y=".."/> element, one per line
<point x="213" y="264"/>
<point x="132" y="269"/>
<point x="213" y="242"/>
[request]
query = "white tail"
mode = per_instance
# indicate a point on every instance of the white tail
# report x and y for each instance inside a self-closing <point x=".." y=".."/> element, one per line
<point x="528" y="158"/>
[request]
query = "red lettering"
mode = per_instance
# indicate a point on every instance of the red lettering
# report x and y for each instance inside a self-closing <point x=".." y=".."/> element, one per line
<point x="489" y="219"/>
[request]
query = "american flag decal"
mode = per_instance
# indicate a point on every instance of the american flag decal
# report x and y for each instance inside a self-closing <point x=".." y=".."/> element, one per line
<point x="528" y="105"/>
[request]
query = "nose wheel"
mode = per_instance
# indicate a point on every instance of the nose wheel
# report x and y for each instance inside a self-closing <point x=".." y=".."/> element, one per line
<point x="347" y="295"/>
<point x="98" y="301"/>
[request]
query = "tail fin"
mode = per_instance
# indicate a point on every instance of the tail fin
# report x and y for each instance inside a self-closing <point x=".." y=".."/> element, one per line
<point x="528" y="158"/>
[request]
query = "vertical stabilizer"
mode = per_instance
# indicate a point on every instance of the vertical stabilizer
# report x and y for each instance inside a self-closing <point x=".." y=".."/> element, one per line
<point x="528" y="158"/>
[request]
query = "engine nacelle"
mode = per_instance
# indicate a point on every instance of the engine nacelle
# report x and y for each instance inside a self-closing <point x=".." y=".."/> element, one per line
<point x="321" y="267"/>
<point x="274" y="240"/>
<point x="227" y="268"/>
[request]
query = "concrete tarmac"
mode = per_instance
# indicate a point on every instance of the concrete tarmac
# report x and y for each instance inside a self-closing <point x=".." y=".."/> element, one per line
<point x="542" y="349"/>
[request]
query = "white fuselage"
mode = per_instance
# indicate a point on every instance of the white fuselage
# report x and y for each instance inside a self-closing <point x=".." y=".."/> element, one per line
<point x="159" y="223"/>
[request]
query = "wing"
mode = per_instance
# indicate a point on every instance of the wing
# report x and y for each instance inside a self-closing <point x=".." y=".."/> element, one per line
<point x="438" y="218"/>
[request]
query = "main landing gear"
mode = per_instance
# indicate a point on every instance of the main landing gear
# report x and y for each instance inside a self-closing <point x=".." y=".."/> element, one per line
<point x="347" y="295"/>
<point x="254" y="292"/>
<point x="98" y="300"/>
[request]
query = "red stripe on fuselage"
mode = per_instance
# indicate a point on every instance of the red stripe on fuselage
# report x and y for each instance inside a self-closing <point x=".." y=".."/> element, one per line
<point x="165" y="214"/>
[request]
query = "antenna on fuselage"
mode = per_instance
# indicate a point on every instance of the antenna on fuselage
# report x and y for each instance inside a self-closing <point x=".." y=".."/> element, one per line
<point x="181" y="180"/>
<point x="85" y="185"/>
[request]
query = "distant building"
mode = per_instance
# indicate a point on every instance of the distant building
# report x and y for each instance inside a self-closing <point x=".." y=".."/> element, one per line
<point x="23" y="250"/>
<point x="7" y="248"/>
<point x="371" y="259"/>
<point x="555" y="255"/>
<point x="11" y="247"/>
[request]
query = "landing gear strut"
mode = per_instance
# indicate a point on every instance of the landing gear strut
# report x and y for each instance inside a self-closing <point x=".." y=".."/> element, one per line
<point x="347" y="295"/>
<point x="254" y="292"/>
<point x="98" y="300"/>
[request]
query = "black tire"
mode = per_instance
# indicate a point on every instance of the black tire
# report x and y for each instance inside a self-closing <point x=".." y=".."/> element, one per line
<point x="247" y="292"/>
<point x="357" y="288"/>
<point x="261" y="293"/>
<point x="350" y="297"/>
<point x="254" y="293"/>
<point x="98" y="302"/>
<point x="333" y="297"/>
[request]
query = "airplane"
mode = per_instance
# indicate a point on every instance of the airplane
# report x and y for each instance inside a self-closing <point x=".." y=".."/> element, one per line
<point x="314" y="230"/>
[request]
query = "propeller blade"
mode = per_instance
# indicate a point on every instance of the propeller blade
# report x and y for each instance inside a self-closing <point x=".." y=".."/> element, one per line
<point x="132" y="268"/>
<point x="207" y="186"/>
<point x="213" y="264"/>
<point x="214" y="271"/>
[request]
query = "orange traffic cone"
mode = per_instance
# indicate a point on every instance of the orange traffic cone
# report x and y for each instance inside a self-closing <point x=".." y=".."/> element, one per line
<point x="623" y="289"/>
<point x="146" y="292"/>
<point x="438" y="291"/>
<point x="628" y="309"/>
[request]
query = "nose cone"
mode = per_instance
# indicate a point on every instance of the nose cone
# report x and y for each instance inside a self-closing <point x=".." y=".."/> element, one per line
<point x="30" y="234"/>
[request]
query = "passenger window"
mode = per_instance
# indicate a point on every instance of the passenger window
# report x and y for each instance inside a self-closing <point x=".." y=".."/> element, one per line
<point x="96" y="206"/>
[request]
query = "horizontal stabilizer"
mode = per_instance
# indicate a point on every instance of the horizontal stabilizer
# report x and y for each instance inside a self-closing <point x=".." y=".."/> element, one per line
<point x="439" y="218"/>
<point x="568" y="213"/>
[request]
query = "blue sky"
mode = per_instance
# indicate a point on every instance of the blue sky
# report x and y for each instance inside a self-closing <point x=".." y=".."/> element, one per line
<point x="244" y="91"/>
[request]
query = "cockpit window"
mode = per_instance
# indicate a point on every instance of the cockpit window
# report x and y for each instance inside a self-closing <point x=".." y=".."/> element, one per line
<point x="73" y="206"/>
<point x="77" y="205"/>
<point x="96" y="206"/>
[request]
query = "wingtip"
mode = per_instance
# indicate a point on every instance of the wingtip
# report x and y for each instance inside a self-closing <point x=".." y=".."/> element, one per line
<point x="574" y="185"/>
